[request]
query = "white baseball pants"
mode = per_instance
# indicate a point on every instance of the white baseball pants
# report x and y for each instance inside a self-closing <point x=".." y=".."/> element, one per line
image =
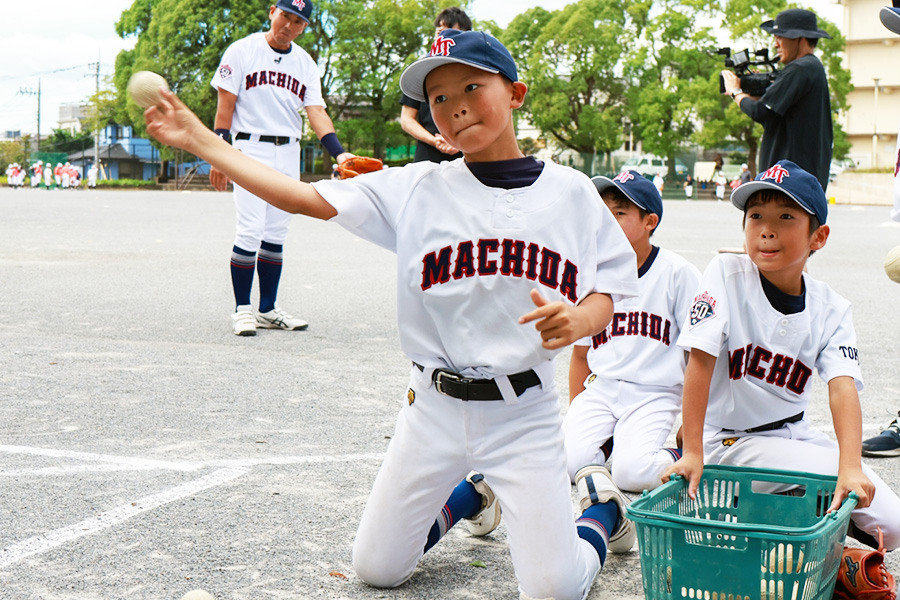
<point x="519" y="449"/>
<point x="256" y="219"/>
<point x="799" y="447"/>
<point x="638" y="417"/>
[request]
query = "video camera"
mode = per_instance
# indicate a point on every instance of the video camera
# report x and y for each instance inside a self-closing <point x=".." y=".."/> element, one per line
<point x="754" y="84"/>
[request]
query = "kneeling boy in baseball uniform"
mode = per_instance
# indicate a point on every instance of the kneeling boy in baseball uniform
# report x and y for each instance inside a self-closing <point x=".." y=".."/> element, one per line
<point x="758" y="327"/>
<point x="625" y="382"/>
<point x="502" y="261"/>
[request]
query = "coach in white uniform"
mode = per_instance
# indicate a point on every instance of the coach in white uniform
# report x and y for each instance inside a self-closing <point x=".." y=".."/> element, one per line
<point x="263" y="81"/>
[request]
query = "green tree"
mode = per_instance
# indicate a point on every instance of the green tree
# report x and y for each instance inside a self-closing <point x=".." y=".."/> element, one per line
<point x="373" y="42"/>
<point x="667" y="70"/>
<point x="11" y="152"/>
<point x="571" y="60"/>
<point x="62" y="140"/>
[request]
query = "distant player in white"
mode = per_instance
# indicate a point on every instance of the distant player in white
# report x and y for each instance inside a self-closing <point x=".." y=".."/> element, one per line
<point x="659" y="183"/>
<point x="502" y="261"/>
<point x="65" y="174"/>
<point x="758" y="328"/>
<point x="625" y="382"/>
<point x="92" y="176"/>
<point x="263" y="82"/>
<point x="720" y="186"/>
<point x="37" y="172"/>
<point x="48" y="176"/>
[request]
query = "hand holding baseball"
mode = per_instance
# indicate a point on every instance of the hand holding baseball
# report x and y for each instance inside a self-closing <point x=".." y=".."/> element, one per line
<point x="144" y="88"/>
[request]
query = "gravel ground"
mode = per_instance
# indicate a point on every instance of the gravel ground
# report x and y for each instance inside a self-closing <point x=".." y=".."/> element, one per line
<point x="146" y="451"/>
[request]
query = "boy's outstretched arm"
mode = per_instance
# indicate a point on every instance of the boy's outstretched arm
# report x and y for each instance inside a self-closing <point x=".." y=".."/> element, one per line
<point x="697" y="377"/>
<point x="561" y="324"/>
<point x="173" y="124"/>
<point x="847" y="417"/>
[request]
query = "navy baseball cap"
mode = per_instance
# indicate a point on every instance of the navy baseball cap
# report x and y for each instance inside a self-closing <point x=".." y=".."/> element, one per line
<point x="301" y="8"/>
<point x="474" y="48"/>
<point x="890" y="17"/>
<point x="636" y="188"/>
<point x="787" y="178"/>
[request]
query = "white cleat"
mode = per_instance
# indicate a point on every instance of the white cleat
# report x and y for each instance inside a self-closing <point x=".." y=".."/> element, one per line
<point x="594" y="485"/>
<point x="489" y="517"/>
<point x="244" y="321"/>
<point x="278" y="319"/>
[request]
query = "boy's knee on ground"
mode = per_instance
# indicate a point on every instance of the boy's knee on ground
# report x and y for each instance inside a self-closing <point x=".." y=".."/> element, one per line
<point x="380" y="570"/>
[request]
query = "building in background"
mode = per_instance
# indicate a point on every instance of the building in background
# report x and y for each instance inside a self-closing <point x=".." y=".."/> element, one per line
<point x="872" y="56"/>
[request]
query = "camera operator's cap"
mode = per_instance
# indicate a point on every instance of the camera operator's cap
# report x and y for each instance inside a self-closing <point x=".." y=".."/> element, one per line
<point x="474" y="48"/>
<point x="890" y="17"/>
<point x="787" y="178"/>
<point x="301" y="8"/>
<point x="795" y="23"/>
<point x="636" y="188"/>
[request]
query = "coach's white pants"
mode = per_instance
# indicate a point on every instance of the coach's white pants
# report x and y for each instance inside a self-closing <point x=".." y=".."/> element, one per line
<point x="638" y="417"/>
<point x="256" y="219"/>
<point x="518" y="448"/>
<point x="799" y="447"/>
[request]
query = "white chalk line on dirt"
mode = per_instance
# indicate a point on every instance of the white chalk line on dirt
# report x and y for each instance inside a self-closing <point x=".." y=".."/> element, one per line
<point x="228" y="469"/>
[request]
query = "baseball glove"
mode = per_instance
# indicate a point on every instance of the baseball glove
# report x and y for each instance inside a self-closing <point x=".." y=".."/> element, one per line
<point x="863" y="576"/>
<point x="357" y="166"/>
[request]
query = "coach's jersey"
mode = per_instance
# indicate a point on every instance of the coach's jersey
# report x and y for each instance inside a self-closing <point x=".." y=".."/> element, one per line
<point x="271" y="87"/>
<point x="640" y="343"/>
<point x="765" y="362"/>
<point x="468" y="256"/>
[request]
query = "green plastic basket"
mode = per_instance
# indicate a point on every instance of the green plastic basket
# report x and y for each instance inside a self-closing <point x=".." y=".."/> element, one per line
<point x="750" y="534"/>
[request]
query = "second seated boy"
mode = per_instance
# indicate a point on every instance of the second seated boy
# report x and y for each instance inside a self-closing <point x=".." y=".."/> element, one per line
<point x="625" y="382"/>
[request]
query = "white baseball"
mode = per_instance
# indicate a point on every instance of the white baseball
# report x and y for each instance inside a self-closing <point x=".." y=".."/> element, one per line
<point x="197" y="594"/>
<point x="143" y="87"/>
<point x="892" y="264"/>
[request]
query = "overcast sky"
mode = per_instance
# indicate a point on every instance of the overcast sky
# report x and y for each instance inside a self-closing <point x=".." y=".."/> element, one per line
<point x="58" y="46"/>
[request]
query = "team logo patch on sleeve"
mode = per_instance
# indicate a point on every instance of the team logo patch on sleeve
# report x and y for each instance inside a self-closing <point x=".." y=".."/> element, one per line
<point x="224" y="72"/>
<point x="704" y="308"/>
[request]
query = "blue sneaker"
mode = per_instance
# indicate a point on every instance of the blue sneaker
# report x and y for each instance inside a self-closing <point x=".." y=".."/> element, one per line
<point x="887" y="443"/>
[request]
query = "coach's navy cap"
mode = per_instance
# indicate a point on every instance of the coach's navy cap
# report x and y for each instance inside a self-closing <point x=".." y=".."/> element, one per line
<point x="795" y="23"/>
<point x="890" y="17"/>
<point x="636" y="188"/>
<point x="474" y="48"/>
<point x="787" y="178"/>
<point x="301" y="8"/>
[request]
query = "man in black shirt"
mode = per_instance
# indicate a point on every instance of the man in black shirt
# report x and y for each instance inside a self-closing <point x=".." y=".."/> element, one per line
<point x="415" y="116"/>
<point x="795" y="111"/>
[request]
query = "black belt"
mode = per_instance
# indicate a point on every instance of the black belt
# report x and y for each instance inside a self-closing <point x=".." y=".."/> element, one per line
<point x="469" y="389"/>
<point x="278" y="140"/>
<point x="770" y="426"/>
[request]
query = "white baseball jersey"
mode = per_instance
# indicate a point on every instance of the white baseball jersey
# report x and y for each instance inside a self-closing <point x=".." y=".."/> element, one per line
<point x="895" y="212"/>
<point x="271" y="87"/>
<point x="468" y="256"/>
<point x="766" y="358"/>
<point x="639" y="345"/>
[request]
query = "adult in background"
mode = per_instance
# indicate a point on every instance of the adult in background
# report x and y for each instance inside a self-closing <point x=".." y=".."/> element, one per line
<point x="263" y="81"/>
<point x="795" y="111"/>
<point x="415" y="116"/>
<point x="887" y="443"/>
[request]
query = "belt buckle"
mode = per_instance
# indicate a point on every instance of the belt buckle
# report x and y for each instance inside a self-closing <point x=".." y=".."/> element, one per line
<point x="440" y="375"/>
<point x="282" y="141"/>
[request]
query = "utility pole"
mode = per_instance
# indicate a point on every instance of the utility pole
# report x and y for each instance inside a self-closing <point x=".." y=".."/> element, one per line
<point x="31" y="92"/>
<point x="97" y="112"/>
